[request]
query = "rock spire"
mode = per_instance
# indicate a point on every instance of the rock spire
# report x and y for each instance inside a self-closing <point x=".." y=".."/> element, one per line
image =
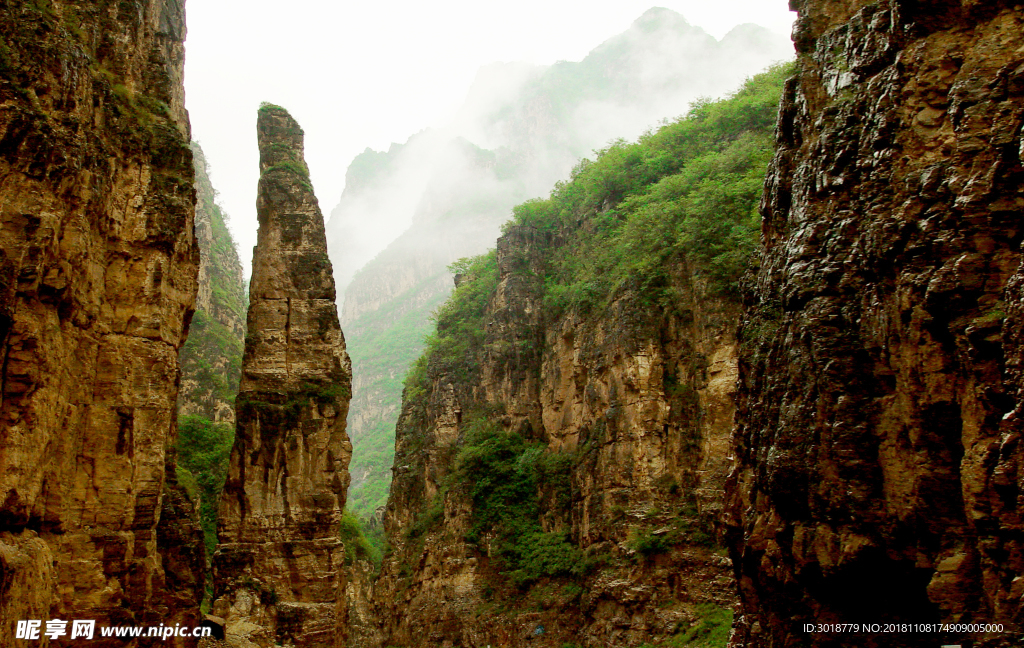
<point x="280" y="511"/>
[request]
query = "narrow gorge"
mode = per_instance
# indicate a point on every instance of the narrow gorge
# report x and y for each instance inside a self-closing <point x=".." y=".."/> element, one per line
<point x="751" y="380"/>
<point x="564" y="443"/>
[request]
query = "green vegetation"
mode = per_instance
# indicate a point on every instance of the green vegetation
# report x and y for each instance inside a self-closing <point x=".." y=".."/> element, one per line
<point x="211" y="342"/>
<point x="147" y="112"/>
<point x="455" y="347"/>
<point x="357" y="545"/>
<point x="682" y="527"/>
<point x="685" y="195"/>
<point x="712" y="631"/>
<point x="505" y="475"/>
<point x="286" y="414"/>
<point x="298" y="168"/>
<point x="203" y="451"/>
<point x="227" y="291"/>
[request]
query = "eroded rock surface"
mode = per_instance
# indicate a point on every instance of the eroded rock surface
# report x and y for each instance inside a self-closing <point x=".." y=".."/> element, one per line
<point x="97" y="281"/>
<point x="277" y="568"/>
<point x="878" y="475"/>
<point x="637" y="402"/>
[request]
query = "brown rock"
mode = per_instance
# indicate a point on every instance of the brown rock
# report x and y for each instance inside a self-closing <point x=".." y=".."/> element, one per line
<point x="278" y="566"/>
<point x="97" y="280"/>
<point x="877" y="462"/>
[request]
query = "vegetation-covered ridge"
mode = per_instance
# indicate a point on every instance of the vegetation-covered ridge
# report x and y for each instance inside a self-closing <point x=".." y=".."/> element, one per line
<point x="687" y="192"/>
<point x="215" y="336"/>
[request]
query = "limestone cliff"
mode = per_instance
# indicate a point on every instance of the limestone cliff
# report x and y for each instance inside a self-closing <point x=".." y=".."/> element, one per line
<point x="878" y="445"/>
<point x="563" y="445"/>
<point x="97" y="281"/>
<point x="277" y="568"/>
<point x="634" y="408"/>
<point x="212" y="357"/>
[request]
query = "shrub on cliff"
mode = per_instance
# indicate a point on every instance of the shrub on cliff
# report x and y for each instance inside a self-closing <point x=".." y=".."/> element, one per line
<point x="455" y="347"/>
<point x="203" y="449"/>
<point x="357" y="546"/>
<point x="504" y="475"/>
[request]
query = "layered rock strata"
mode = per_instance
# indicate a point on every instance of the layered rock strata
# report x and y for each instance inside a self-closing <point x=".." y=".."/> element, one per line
<point x="878" y="475"/>
<point x="97" y="281"/>
<point x="277" y="568"/>
<point x="638" y="406"/>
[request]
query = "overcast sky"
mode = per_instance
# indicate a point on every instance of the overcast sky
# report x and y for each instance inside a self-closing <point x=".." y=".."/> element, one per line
<point x="366" y="74"/>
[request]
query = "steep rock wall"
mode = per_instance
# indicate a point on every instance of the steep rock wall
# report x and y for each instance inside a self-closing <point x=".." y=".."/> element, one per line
<point x="878" y="422"/>
<point x="212" y="357"/>
<point x="97" y="281"/>
<point x="277" y="567"/>
<point x="634" y="401"/>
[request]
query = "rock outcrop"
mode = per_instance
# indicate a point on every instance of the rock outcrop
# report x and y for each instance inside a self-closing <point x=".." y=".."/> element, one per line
<point x="97" y="281"/>
<point x="878" y="475"/>
<point x="277" y="569"/>
<point x="211" y="360"/>
<point x="634" y="406"/>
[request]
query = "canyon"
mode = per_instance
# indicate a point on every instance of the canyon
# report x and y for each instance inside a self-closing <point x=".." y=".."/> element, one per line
<point x="720" y="383"/>
<point x="560" y="465"/>
<point x="444" y="193"/>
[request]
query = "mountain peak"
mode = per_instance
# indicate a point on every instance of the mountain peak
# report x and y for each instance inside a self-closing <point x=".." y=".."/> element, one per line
<point x="657" y="18"/>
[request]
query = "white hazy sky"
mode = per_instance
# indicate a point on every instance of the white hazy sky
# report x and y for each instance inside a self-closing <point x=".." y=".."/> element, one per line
<point x="365" y="74"/>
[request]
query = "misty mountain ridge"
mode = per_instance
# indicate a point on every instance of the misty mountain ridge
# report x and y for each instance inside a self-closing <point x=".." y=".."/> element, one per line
<point x="547" y="117"/>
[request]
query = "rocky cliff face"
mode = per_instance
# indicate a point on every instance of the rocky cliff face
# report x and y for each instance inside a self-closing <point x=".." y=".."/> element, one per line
<point x="277" y="568"/>
<point x="633" y="412"/>
<point x="97" y="280"/>
<point x="880" y="402"/>
<point x="212" y="357"/>
<point x="563" y="444"/>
